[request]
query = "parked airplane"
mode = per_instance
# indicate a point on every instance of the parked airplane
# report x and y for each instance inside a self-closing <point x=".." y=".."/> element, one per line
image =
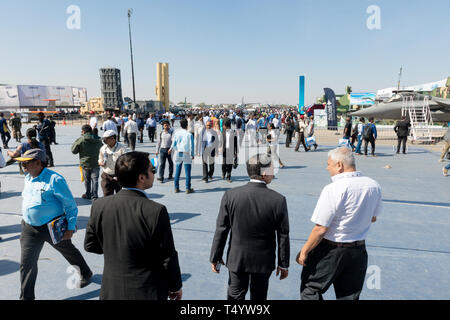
<point x="392" y="108"/>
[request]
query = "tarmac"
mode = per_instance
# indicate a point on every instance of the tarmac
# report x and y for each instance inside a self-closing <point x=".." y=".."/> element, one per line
<point x="408" y="247"/>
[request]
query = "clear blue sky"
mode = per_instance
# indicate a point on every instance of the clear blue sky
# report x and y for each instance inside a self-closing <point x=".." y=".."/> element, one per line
<point x="220" y="51"/>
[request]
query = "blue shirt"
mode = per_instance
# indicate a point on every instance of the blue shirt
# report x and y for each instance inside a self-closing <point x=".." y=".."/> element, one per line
<point x="47" y="197"/>
<point x="183" y="141"/>
<point x="374" y="129"/>
<point x="26" y="146"/>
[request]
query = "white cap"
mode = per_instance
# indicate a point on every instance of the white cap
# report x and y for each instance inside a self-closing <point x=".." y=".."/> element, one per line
<point x="109" y="133"/>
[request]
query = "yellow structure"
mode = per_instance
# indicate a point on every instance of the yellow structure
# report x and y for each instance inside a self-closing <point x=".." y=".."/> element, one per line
<point x="162" y="84"/>
<point x="94" y="104"/>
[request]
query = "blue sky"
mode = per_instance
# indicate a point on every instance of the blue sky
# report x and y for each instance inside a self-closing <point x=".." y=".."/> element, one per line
<point x="221" y="51"/>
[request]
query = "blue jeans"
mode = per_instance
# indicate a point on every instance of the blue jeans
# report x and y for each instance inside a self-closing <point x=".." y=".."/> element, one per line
<point x="187" y="170"/>
<point x="447" y="167"/>
<point x="91" y="182"/>
<point x="358" y="146"/>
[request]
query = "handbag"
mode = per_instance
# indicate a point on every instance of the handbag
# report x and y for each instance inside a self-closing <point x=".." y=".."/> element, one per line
<point x="344" y="143"/>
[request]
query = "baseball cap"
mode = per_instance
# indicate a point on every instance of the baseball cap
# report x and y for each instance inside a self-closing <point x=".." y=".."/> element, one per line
<point x="109" y="134"/>
<point x="33" y="154"/>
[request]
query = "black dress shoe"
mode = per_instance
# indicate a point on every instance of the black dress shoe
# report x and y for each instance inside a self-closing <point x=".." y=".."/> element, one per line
<point x="84" y="281"/>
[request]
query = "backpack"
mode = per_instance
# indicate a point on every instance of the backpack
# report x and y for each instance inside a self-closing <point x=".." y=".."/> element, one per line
<point x="367" y="132"/>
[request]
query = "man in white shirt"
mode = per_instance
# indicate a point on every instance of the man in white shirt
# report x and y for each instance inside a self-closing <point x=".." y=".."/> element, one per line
<point x="151" y="127"/>
<point x="93" y="121"/>
<point x="335" y="252"/>
<point x="251" y="130"/>
<point x="131" y="130"/>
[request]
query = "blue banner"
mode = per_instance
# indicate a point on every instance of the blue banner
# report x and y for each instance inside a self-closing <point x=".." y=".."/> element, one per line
<point x="301" y="101"/>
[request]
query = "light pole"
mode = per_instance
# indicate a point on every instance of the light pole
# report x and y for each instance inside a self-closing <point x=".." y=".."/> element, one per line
<point x="130" y="11"/>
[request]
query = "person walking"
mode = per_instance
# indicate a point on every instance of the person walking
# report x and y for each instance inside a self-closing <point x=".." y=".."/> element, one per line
<point x="110" y="125"/>
<point x="257" y="218"/>
<point x="210" y="142"/>
<point x="32" y="143"/>
<point x="369" y="135"/>
<point x="301" y="127"/>
<point x="16" y="125"/>
<point x="310" y="131"/>
<point x="141" y="126"/>
<point x="46" y="196"/>
<point x="183" y="150"/>
<point x="402" y="130"/>
<point x="229" y="148"/>
<point x="199" y="128"/>
<point x="141" y="262"/>
<point x="335" y="252"/>
<point x="162" y="149"/>
<point x="272" y="139"/>
<point x="151" y="127"/>
<point x="359" y="135"/>
<point x="131" y="131"/>
<point x="44" y="129"/>
<point x="119" y="124"/>
<point x="88" y="147"/>
<point x="289" y="130"/>
<point x="109" y="153"/>
<point x="4" y="131"/>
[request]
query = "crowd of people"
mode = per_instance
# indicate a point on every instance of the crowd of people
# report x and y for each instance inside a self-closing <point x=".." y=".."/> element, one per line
<point x="141" y="261"/>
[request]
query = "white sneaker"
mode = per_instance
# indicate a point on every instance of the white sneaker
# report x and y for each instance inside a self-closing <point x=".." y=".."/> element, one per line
<point x="444" y="172"/>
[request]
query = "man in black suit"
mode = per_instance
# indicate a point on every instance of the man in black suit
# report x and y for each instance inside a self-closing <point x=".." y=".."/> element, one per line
<point x="229" y="149"/>
<point x="134" y="234"/>
<point x="402" y="130"/>
<point x="258" y="220"/>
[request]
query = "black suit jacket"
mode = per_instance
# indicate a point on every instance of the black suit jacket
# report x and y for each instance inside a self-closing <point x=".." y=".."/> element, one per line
<point x="229" y="154"/>
<point x="257" y="219"/>
<point x="402" y="128"/>
<point x="135" y="236"/>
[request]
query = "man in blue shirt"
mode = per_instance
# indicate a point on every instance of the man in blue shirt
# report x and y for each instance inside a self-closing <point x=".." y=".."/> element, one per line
<point x="46" y="196"/>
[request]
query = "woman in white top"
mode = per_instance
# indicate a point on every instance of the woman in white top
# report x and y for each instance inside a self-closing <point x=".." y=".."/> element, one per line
<point x="272" y="139"/>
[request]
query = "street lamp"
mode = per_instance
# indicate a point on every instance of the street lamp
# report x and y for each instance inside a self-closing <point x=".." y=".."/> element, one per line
<point x="130" y="11"/>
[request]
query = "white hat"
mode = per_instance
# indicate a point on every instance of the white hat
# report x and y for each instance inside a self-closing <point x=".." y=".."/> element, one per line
<point x="109" y="134"/>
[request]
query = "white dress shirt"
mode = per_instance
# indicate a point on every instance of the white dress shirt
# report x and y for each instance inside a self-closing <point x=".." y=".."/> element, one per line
<point x="109" y="125"/>
<point x="131" y="127"/>
<point x="347" y="207"/>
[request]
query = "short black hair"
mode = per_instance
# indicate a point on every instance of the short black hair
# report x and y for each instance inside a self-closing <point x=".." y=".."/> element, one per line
<point x="227" y="123"/>
<point x="129" y="166"/>
<point x="86" y="128"/>
<point x="184" y="123"/>
<point x="165" y="122"/>
<point x="255" y="163"/>
<point x="371" y="119"/>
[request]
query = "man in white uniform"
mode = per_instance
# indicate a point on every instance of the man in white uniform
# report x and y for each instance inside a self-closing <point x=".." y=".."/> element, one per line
<point x="335" y="252"/>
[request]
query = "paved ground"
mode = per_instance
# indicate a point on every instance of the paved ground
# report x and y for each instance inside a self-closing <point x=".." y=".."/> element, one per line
<point x="409" y="247"/>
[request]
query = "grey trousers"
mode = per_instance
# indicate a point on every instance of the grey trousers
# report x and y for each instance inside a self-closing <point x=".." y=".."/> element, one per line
<point x="32" y="240"/>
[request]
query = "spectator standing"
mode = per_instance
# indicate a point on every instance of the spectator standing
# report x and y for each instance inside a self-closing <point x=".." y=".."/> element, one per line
<point x="109" y="153"/>
<point x="88" y="147"/>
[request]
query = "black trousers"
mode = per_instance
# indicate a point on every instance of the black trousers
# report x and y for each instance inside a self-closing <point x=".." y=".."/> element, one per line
<point x="372" y="144"/>
<point x="5" y="139"/>
<point x="288" y="138"/>
<point x="46" y="142"/>
<point x="164" y="155"/>
<point x="32" y="240"/>
<point x="208" y="169"/>
<point x="132" y="141"/>
<point x="151" y="133"/>
<point x="109" y="185"/>
<point x="326" y="265"/>
<point x="400" y="141"/>
<point x="141" y="135"/>
<point x="226" y="170"/>
<point x="119" y="128"/>
<point x="238" y="284"/>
